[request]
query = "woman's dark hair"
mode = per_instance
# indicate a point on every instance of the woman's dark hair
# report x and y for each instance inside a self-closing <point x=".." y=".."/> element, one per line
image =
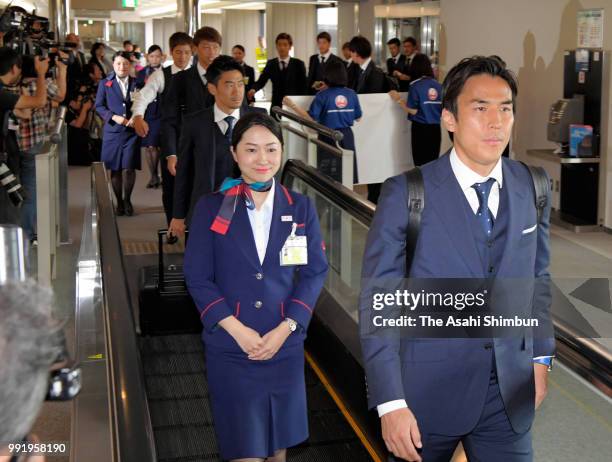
<point x="8" y="59"/>
<point x="123" y="54"/>
<point x="207" y="34"/>
<point x="469" y="67"/>
<point x="154" y="48"/>
<point x="179" y="38"/>
<point x="255" y="119"/>
<point x="284" y="36"/>
<point x="95" y="48"/>
<point x="361" y="46"/>
<point x="221" y="64"/>
<point x="335" y="74"/>
<point x="240" y="47"/>
<point x="127" y="42"/>
<point x="420" y="67"/>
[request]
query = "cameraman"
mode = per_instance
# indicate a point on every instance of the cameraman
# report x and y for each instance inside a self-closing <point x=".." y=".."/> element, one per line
<point x="10" y="73"/>
<point x="32" y="133"/>
<point x="30" y="341"/>
<point x="84" y="125"/>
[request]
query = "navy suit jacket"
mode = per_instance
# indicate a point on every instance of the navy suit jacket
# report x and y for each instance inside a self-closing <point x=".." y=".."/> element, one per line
<point x="224" y="275"/>
<point x="110" y="102"/>
<point x="444" y="380"/>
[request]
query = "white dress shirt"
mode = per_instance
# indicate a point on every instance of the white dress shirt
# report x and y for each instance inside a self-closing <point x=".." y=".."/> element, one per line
<point x="220" y="118"/>
<point x="365" y="64"/>
<point x="466" y="178"/>
<point x="202" y="73"/>
<point x="124" y="84"/>
<point x="154" y="87"/>
<point x="286" y="61"/>
<point x="326" y="56"/>
<point x="261" y="220"/>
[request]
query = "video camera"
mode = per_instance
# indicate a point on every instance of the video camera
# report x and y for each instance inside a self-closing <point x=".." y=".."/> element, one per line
<point x="29" y="35"/>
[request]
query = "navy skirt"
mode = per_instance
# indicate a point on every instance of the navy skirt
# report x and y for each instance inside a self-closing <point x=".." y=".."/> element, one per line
<point x="258" y="407"/>
<point x="329" y="163"/>
<point x="121" y="150"/>
<point x="153" y="138"/>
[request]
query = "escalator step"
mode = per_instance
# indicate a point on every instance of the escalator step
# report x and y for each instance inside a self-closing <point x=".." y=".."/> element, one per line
<point x="343" y="452"/>
<point x="188" y="343"/>
<point x="180" y="413"/>
<point x="173" y="363"/>
<point x="328" y="427"/>
<point x="167" y="387"/>
<point x="186" y="443"/>
<point x="319" y="399"/>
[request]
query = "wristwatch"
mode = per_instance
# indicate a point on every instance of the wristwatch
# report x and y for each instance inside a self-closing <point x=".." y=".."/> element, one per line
<point x="291" y="323"/>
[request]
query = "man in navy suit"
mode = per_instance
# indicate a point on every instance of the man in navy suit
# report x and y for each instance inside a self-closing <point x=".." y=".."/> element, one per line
<point x="205" y="159"/>
<point x="479" y="223"/>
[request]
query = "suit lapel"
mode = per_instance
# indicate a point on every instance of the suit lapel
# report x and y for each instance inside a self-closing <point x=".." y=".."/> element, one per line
<point x="447" y="201"/>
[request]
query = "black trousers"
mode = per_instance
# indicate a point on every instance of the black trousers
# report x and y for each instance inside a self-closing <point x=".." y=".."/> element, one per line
<point x="426" y="140"/>
<point x="167" y="190"/>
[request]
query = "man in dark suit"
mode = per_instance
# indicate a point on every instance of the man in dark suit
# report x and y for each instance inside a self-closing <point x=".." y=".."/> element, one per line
<point x="249" y="73"/>
<point x="205" y="159"/>
<point x="367" y="78"/>
<point x="404" y="75"/>
<point x="397" y="62"/>
<point x="189" y="91"/>
<point x="317" y="63"/>
<point x="480" y="225"/>
<point x="76" y="69"/>
<point x="288" y="74"/>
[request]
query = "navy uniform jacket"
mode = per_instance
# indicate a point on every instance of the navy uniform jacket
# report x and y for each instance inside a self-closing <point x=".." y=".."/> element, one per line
<point x="426" y="97"/>
<point x="445" y="380"/>
<point x="110" y="101"/>
<point x="291" y="82"/>
<point x="335" y="107"/>
<point x="224" y="275"/>
<point x="196" y="173"/>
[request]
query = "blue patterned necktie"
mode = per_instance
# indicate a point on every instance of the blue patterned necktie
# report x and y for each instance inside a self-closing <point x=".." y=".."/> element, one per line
<point x="230" y="127"/>
<point x="484" y="214"/>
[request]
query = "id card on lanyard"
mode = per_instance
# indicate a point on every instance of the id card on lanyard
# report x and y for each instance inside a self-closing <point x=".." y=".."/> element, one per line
<point x="295" y="249"/>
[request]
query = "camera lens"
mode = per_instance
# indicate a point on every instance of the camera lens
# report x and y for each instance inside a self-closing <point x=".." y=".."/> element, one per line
<point x="11" y="184"/>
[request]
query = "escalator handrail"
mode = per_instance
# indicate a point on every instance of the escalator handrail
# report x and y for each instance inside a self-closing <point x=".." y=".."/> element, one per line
<point x="593" y="361"/>
<point x="346" y="199"/>
<point x="320" y="129"/>
<point x="132" y="431"/>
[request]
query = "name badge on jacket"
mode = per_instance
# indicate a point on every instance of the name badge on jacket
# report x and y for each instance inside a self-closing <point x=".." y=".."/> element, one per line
<point x="295" y="250"/>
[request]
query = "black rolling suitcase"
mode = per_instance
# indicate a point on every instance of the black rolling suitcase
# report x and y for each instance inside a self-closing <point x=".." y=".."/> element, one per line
<point x="165" y="305"/>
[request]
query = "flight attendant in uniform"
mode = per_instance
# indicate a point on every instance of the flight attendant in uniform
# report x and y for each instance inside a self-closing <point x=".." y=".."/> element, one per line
<point x="120" y="144"/>
<point x="151" y="142"/>
<point x="424" y="108"/>
<point x="337" y="107"/>
<point x="254" y="265"/>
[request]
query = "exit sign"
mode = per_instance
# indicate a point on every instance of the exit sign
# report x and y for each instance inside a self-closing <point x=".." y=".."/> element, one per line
<point x="129" y="3"/>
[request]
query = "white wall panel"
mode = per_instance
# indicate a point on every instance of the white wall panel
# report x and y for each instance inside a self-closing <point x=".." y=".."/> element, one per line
<point x="241" y="27"/>
<point x="300" y="21"/>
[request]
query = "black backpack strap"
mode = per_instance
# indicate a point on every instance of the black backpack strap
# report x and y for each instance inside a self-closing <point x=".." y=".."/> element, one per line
<point x="540" y="187"/>
<point x="416" y="202"/>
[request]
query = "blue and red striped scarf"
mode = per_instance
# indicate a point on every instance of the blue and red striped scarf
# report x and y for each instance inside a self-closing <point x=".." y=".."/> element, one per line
<point x="233" y="188"/>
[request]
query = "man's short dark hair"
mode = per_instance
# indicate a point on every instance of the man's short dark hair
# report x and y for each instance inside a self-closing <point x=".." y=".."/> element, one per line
<point x="361" y="46"/>
<point x="324" y="35"/>
<point x="411" y="40"/>
<point x="154" y="48"/>
<point x="8" y="59"/>
<point x="284" y="36"/>
<point x="420" y="67"/>
<point x="394" y="41"/>
<point x="127" y="42"/>
<point x="346" y="45"/>
<point x="240" y="47"/>
<point x="335" y="74"/>
<point x="179" y="38"/>
<point x="469" y="67"/>
<point x="123" y="54"/>
<point x="220" y="65"/>
<point x="207" y="34"/>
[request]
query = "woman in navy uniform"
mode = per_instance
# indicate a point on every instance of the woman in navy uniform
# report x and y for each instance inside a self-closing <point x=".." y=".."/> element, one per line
<point x="336" y="107"/>
<point x="424" y="108"/>
<point x="120" y="144"/>
<point x="152" y="116"/>
<point x="254" y="265"/>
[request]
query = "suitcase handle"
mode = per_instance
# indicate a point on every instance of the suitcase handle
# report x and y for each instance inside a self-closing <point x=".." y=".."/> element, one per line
<point x="160" y="262"/>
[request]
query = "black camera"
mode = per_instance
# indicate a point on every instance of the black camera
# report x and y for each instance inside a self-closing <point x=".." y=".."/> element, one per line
<point x="11" y="184"/>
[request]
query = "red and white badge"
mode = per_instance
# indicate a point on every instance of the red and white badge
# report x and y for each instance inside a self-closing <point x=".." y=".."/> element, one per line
<point x="432" y="94"/>
<point x="341" y="101"/>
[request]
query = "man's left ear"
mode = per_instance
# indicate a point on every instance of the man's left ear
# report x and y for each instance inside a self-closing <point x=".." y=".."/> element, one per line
<point x="212" y="89"/>
<point x="448" y="120"/>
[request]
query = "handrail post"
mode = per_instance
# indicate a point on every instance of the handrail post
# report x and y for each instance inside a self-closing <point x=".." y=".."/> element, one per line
<point x="47" y="213"/>
<point x="312" y="150"/>
<point x="347" y="167"/>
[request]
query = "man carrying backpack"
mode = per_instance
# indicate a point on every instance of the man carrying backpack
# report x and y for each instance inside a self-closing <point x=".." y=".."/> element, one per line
<point x="477" y="218"/>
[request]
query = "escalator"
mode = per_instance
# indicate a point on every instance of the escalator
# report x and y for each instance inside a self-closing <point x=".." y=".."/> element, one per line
<point x="158" y="396"/>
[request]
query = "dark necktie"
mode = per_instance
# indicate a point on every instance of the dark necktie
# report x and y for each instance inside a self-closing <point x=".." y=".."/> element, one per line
<point x="230" y="127"/>
<point x="283" y="65"/>
<point x="484" y="214"/>
<point x="322" y="59"/>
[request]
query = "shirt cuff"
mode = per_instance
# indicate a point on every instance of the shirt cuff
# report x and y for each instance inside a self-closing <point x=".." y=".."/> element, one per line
<point x="170" y="155"/>
<point x="390" y="406"/>
<point x="546" y="360"/>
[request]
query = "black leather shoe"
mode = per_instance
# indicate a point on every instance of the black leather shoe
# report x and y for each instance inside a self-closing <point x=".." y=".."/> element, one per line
<point x="129" y="210"/>
<point x="120" y="211"/>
